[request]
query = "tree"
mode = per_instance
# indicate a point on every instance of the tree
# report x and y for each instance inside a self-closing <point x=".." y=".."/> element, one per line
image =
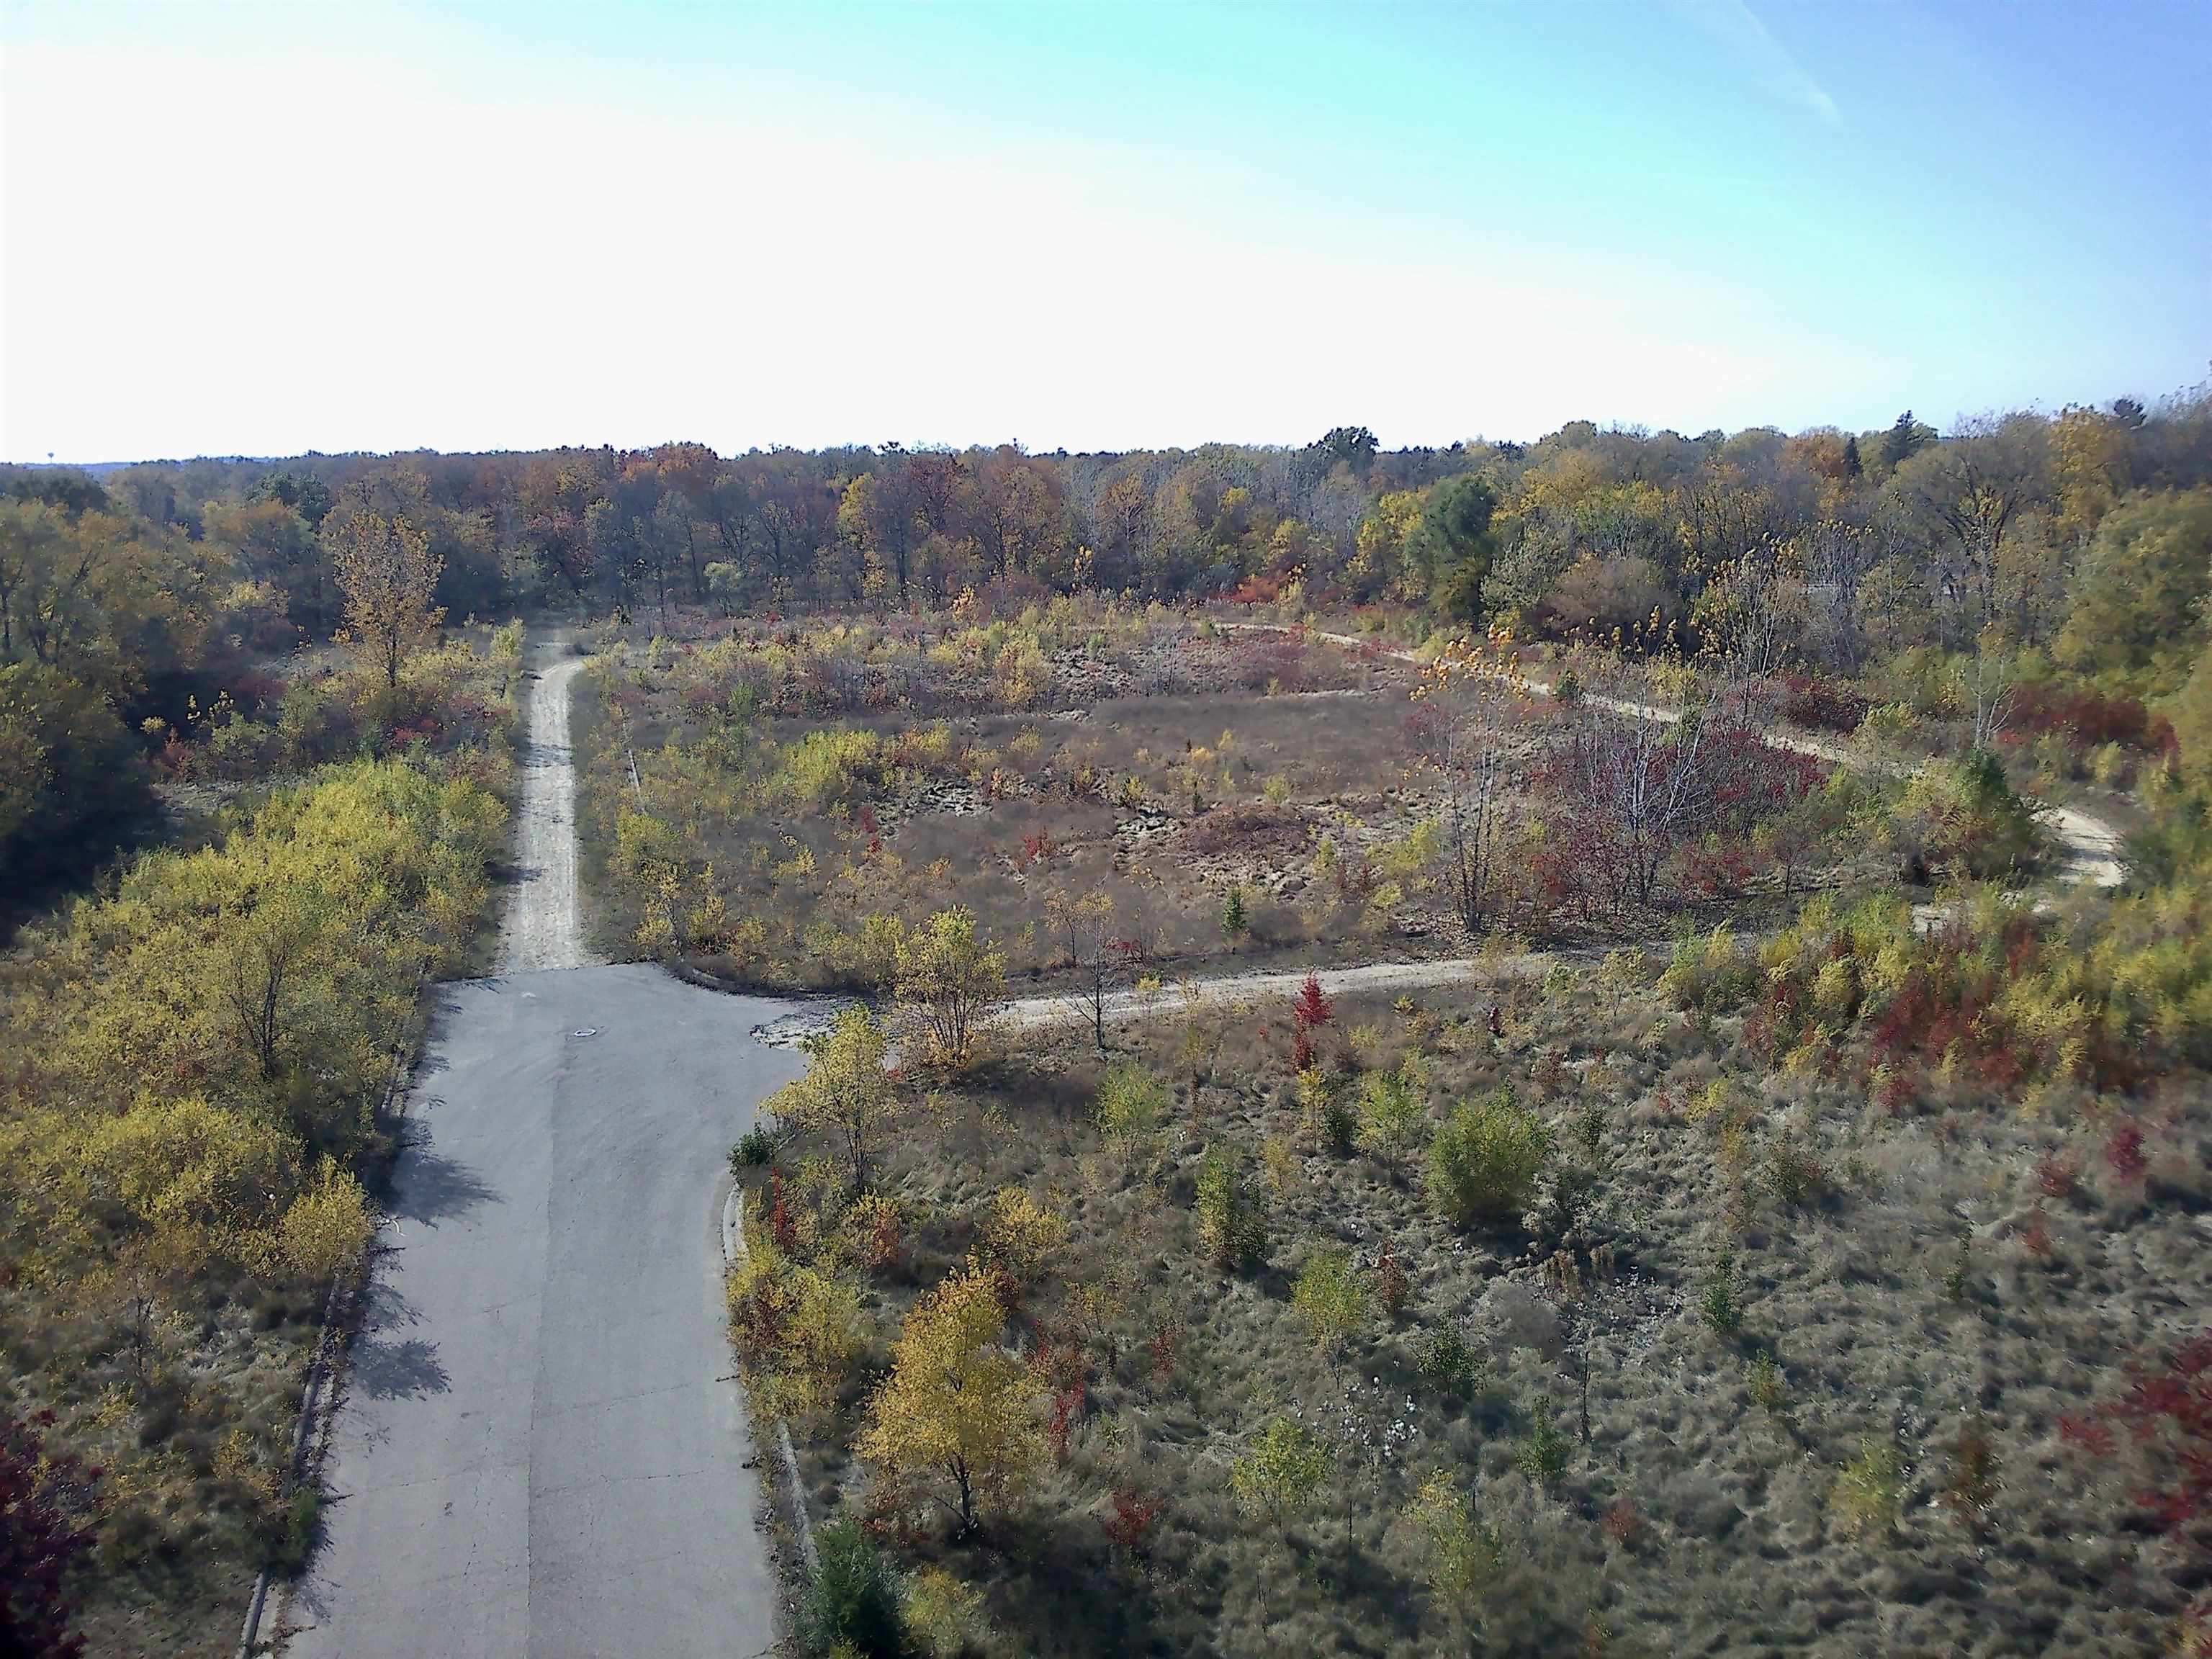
<point x="1084" y="923"/>
<point x="953" y="979"/>
<point x="43" y="1537"/>
<point x="1906" y="438"/>
<point x="266" y="944"/>
<point x="326" y="1227"/>
<point x="2136" y="614"/>
<point x="1461" y="734"/>
<point x="1348" y="445"/>
<point x="1454" y="546"/>
<point x="957" y="1406"/>
<point x="389" y="575"/>
<point x="847" y="1092"/>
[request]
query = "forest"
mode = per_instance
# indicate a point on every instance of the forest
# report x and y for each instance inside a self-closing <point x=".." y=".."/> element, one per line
<point x="1766" y="1198"/>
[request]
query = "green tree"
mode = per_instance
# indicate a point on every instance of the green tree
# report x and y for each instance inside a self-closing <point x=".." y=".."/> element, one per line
<point x="2137" y="609"/>
<point x="1281" y="1475"/>
<point x="952" y="979"/>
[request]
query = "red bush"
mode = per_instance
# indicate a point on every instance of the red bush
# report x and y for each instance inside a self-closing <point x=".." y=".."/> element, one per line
<point x="42" y="1540"/>
<point x="1132" y="1519"/>
<point x="1820" y="705"/>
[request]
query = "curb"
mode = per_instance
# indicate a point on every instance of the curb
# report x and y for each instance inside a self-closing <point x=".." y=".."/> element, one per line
<point x="734" y="1250"/>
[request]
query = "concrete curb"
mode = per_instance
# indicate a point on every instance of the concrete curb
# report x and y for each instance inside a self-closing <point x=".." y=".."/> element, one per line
<point x="734" y="1251"/>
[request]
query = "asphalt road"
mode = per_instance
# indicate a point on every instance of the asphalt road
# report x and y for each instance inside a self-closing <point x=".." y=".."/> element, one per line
<point x="539" y="1450"/>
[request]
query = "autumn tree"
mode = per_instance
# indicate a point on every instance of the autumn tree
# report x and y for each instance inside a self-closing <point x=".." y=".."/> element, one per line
<point x="959" y="1413"/>
<point x="389" y="575"/>
<point x="950" y="978"/>
<point x="846" y="1091"/>
<point x="1459" y="733"/>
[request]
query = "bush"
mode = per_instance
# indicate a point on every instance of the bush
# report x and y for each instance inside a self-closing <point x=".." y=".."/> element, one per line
<point x="1483" y="1161"/>
<point x="1131" y="1102"/>
<point x="1542" y="1455"/>
<point x="756" y="1150"/>
<point x="1869" y="1496"/>
<point x="1330" y="1299"/>
<point x="854" y="1602"/>
<point x="1229" y="1221"/>
<point x="1448" y="1363"/>
<point x="1963" y="817"/>
<point x="1281" y="1475"/>
<point x="1392" y="1111"/>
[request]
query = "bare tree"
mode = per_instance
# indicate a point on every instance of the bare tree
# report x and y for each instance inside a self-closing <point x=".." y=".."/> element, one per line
<point x="1084" y="923"/>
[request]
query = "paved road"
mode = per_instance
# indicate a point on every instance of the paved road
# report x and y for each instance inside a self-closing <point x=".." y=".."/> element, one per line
<point x="539" y="1452"/>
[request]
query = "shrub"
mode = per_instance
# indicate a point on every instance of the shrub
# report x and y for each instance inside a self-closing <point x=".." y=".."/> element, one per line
<point x="1542" y="1455"/>
<point x="1330" y="1299"/>
<point x="852" y="1605"/>
<point x="1869" y="1496"/>
<point x="1131" y="1522"/>
<point x="1484" y="1159"/>
<point x="42" y="1536"/>
<point x="1392" y="1111"/>
<point x="1326" y="1117"/>
<point x="1132" y="1103"/>
<point x="1280" y="1476"/>
<point x="1717" y="1303"/>
<point x="941" y="1615"/>
<point x="1230" y="1223"/>
<point x="1963" y="816"/>
<point x="1448" y="1363"/>
<point x="1765" y="1383"/>
<point x="1022" y="1235"/>
<point x="1460" y="1556"/>
<point x="755" y="1149"/>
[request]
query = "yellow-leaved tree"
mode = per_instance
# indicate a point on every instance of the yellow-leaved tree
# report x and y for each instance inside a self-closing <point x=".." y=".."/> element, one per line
<point x="390" y="574"/>
<point x="847" y="1092"/>
<point x="951" y="979"/>
<point x="959" y="1414"/>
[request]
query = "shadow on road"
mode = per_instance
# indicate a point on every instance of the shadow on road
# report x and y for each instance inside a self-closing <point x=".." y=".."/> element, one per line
<point x="430" y="1187"/>
<point x="393" y="1370"/>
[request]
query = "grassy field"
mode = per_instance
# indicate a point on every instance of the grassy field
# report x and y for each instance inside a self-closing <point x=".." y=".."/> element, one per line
<point x="1754" y="1361"/>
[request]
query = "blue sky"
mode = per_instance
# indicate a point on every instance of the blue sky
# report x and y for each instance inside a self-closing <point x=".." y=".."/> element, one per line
<point x="262" y="228"/>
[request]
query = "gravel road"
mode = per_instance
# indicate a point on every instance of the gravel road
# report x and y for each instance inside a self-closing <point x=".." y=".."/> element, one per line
<point x="544" y="928"/>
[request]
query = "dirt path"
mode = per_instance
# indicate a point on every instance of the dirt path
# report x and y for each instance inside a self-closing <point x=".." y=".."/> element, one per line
<point x="543" y="928"/>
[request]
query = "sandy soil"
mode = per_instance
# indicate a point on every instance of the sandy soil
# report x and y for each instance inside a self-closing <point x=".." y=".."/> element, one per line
<point x="543" y="928"/>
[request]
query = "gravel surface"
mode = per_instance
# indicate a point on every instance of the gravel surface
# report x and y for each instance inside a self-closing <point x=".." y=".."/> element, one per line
<point x="543" y="928"/>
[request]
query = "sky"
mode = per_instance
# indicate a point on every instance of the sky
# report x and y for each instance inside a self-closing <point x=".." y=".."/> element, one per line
<point x="246" y="228"/>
